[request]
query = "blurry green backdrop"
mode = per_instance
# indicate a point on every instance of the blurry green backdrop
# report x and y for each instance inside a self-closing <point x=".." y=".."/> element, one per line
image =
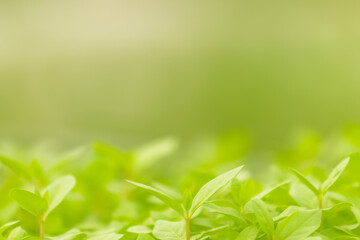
<point x="136" y="70"/>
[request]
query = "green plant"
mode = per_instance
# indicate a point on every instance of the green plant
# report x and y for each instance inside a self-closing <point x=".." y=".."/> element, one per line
<point x="190" y="205"/>
<point x="321" y="190"/>
<point x="256" y="201"/>
<point x="42" y="204"/>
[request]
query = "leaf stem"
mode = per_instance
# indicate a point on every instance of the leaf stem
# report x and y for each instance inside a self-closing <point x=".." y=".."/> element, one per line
<point x="187" y="223"/>
<point x="242" y="210"/>
<point x="42" y="228"/>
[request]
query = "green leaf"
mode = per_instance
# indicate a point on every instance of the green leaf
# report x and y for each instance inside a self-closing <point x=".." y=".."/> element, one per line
<point x="187" y="200"/>
<point x="123" y="161"/>
<point x="29" y="201"/>
<point x="303" y="196"/>
<point x="262" y="214"/>
<point x="17" y="167"/>
<point x="305" y="181"/>
<point x="73" y="234"/>
<point x="162" y="196"/>
<point x="18" y="234"/>
<point x="139" y="229"/>
<point x="249" y="233"/>
<point x="338" y="215"/>
<point x="243" y="192"/>
<point x="165" y="230"/>
<point x="225" y="208"/>
<point x="58" y="190"/>
<point x="144" y="236"/>
<point x="299" y="225"/>
<point x="153" y="152"/>
<point x="105" y="235"/>
<point x="287" y="212"/>
<point x="8" y="227"/>
<point x="210" y="188"/>
<point x="334" y="175"/>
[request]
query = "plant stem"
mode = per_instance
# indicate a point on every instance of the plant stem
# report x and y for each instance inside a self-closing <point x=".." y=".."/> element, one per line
<point x="42" y="228"/>
<point x="320" y="199"/>
<point x="187" y="223"/>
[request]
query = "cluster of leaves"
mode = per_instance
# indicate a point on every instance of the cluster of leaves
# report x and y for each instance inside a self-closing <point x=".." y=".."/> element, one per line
<point x="99" y="193"/>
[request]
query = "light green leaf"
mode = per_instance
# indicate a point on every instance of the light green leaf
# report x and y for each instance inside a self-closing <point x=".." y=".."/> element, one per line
<point x="264" y="193"/>
<point x="72" y="235"/>
<point x="207" y="233"/>
<point x="17" y="167"/>
<point x="6" y="228"/>
<point x="334" y="175"/>
<point x="58" y="190"/>
<point x="187" y="200"/>
<point x="248" y="189"/>
<point x="153" y="152"/>
<point x="144" y="236"/>
<point x="162" y="196"/>
<point x="249" y="233"/>
<point x="222" y="207"/>
<point x="210" y="188"/>
<point x="305" y="181"/>
<point x="29" y="201"/>
<point x="303" y="196"/>
<point x="165" y="230"/>
<point x="287" y="212"/>
<point x="299" y="225"/>
<point x="139" y="229"/>
<point x="105" y="235"/>
<point x="18" y="234"/>
<point x="262" y="214"/>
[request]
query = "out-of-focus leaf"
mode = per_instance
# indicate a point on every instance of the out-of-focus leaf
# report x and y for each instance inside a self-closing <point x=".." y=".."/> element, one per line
<point x="165" y="230"/>
<point x="29" y="201"/>
<point x="153" y="152"/>
<point x="162" y="196"/>
<point x="17" y="167"/>
<point x="139" y="229"/>
<point x="18" y="234"/>
<point x="8" y="227"/>
<point x="143" y="236"/>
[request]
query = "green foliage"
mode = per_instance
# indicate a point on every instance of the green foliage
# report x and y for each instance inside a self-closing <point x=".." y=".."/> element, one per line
<point x="29" y="201"/>
<point x="88" y="197"/>
<point x="58" y="190"/>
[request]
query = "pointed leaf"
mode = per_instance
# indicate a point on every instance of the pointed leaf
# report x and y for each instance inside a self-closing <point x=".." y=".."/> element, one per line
<point x="58" y="190"/>
<point x="162" y="196"/>
<point x="334" y="175"/>
<point x="305" y="181"/>
<point x="210" y="188"/>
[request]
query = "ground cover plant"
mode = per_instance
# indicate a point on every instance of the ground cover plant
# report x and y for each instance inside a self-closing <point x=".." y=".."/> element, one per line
<point x="310" y="190"/>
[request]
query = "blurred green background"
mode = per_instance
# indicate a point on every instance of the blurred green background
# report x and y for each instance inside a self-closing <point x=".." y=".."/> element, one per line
<point x="129" y="71"/>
